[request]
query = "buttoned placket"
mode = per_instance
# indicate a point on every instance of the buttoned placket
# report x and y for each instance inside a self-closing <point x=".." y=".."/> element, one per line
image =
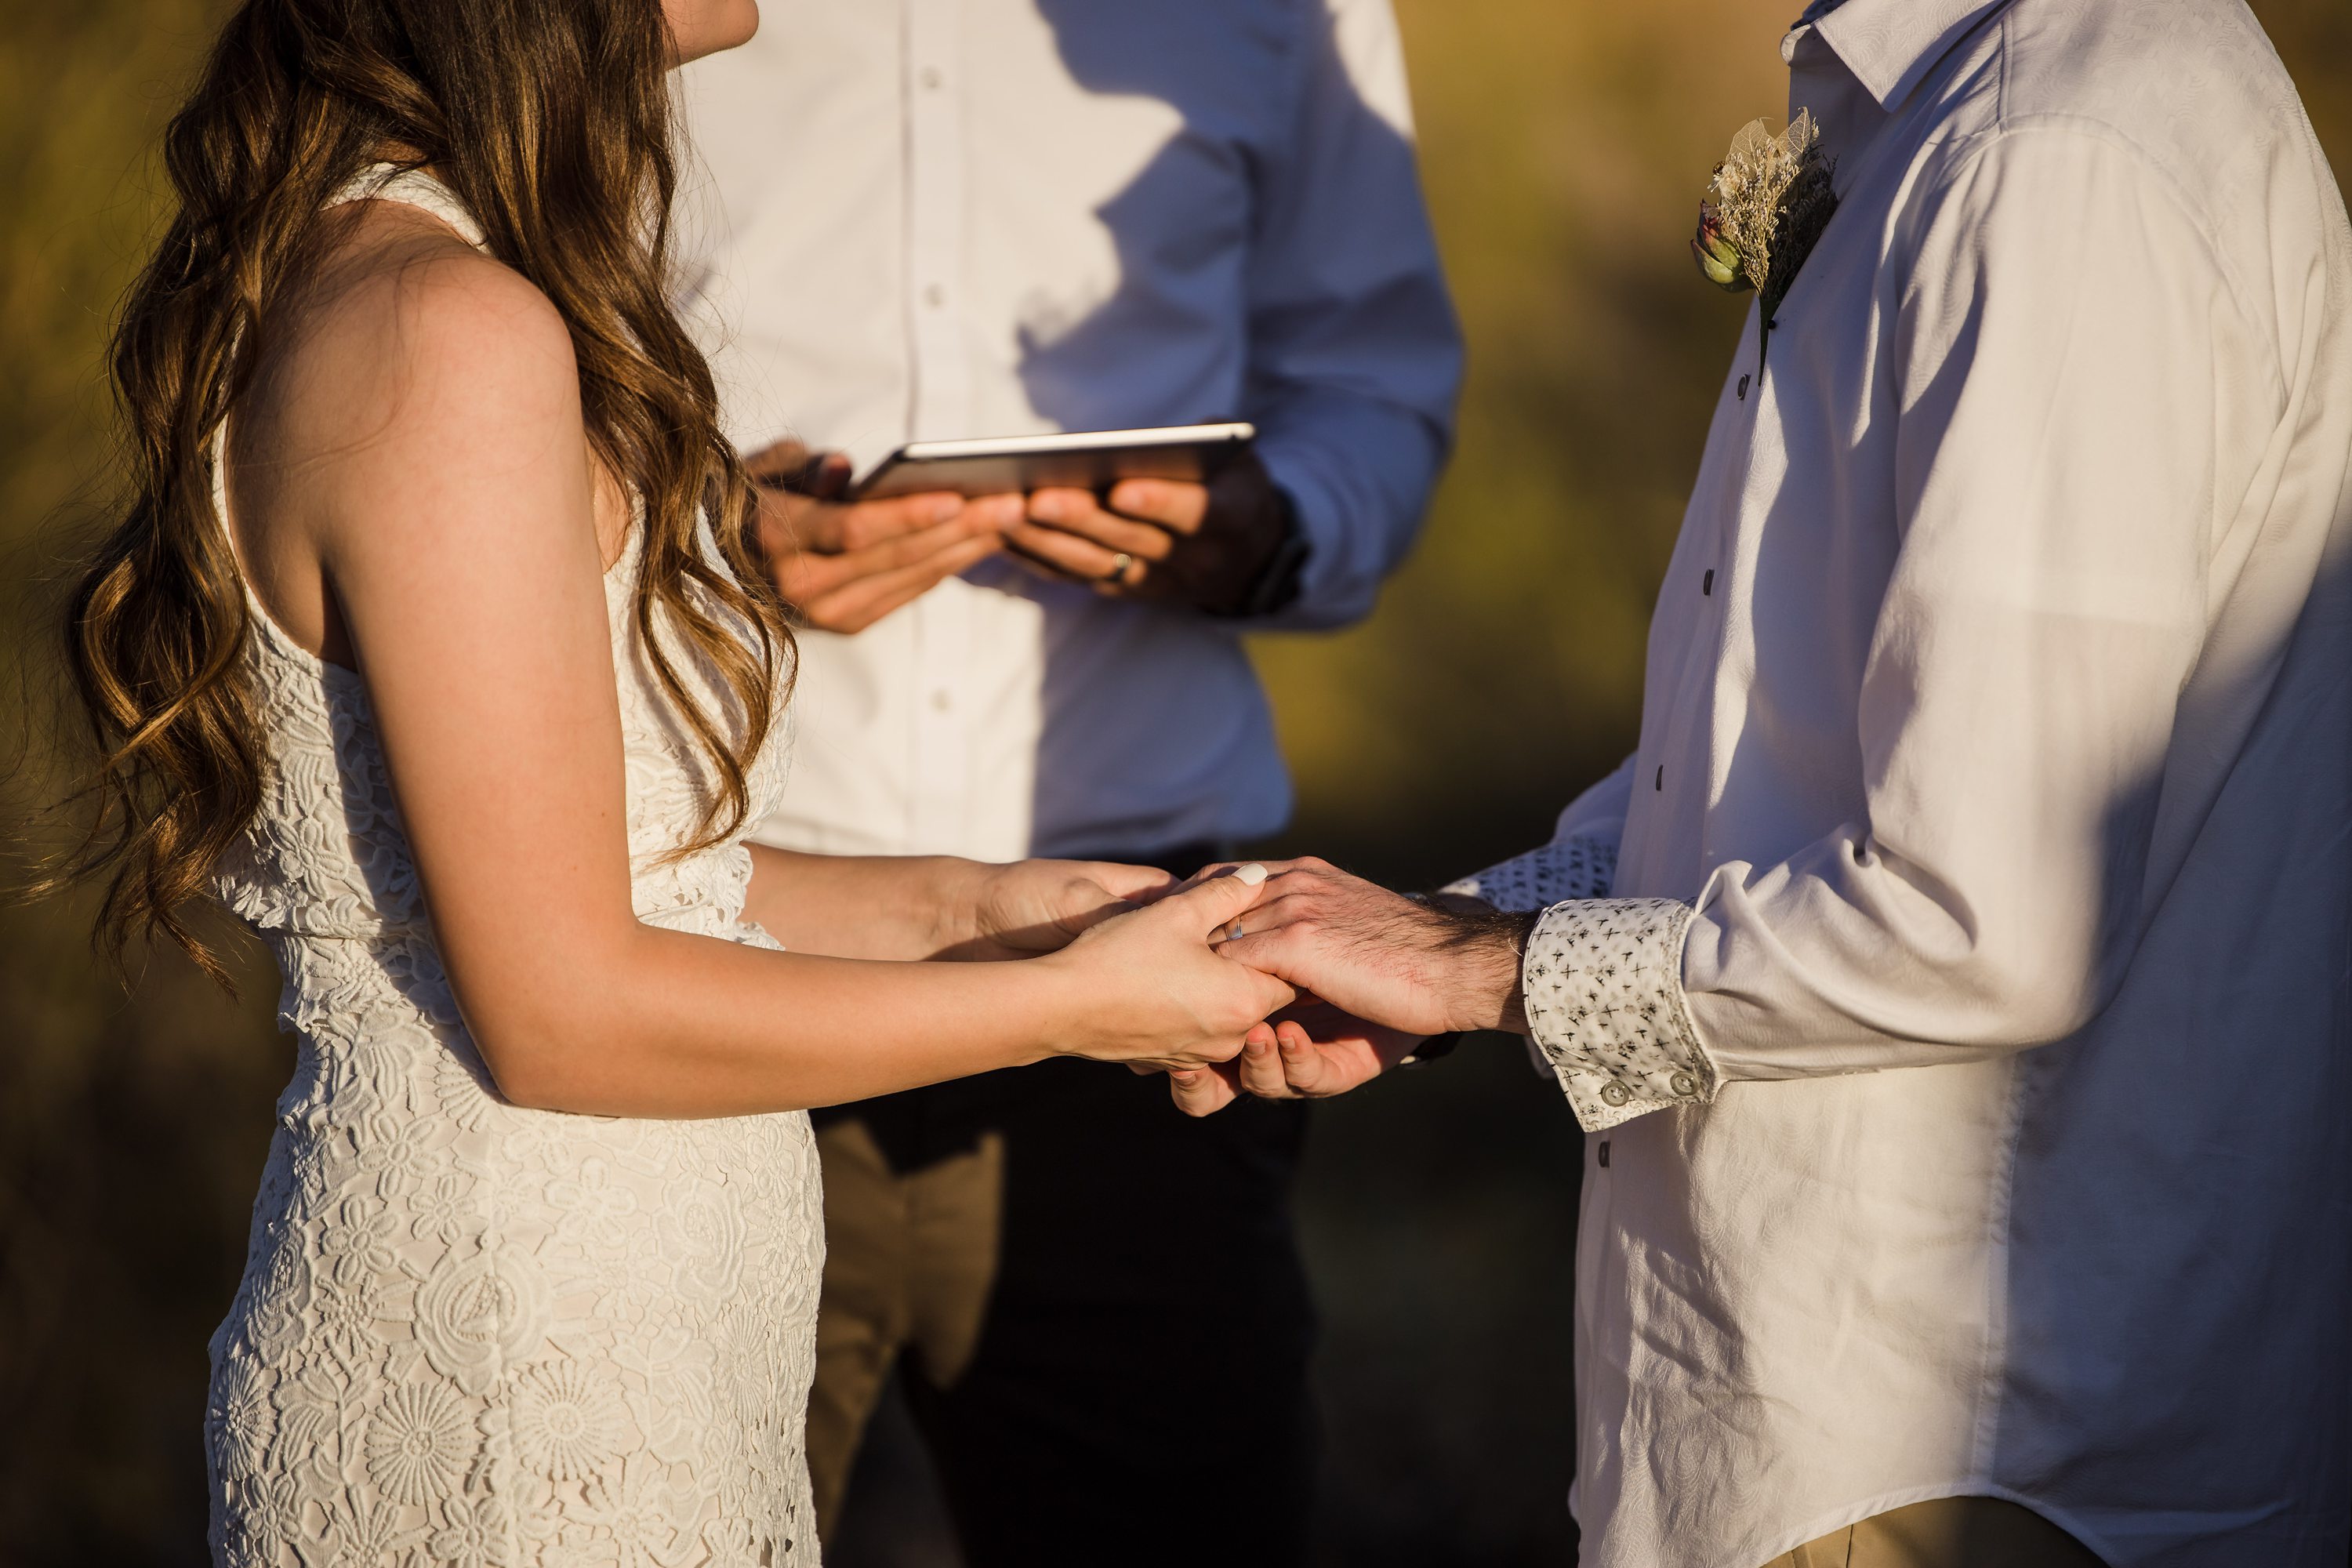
<point x="1708" y="630"/>
<point x="1708" y="622"/>
<point x="1749" y="396"/>
<point x="939" y="707"/>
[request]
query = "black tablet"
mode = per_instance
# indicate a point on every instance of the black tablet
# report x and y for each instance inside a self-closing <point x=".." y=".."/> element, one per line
<point x="1077" y="459"/>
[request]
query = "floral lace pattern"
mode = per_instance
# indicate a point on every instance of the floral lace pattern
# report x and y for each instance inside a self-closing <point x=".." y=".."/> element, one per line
<point x="468" y="1333"/>
<point x="1603" y="982"/>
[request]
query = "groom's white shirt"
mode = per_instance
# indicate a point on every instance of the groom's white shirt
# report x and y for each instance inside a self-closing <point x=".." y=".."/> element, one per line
<point x="1962" y="1031"/>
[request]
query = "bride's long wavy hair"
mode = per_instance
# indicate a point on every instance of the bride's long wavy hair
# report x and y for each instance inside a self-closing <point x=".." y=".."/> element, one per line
<point x="552" y="120"/>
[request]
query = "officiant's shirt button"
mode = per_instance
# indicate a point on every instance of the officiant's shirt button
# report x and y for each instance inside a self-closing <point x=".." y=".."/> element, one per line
<point x="935" y="296"/>
<point x="1743" y="389"/>
<point x="931" y="78"/>
<point x="1706" y="584"/>
<point x="1684" y="1084"/>
<point x="1604" y="1153"/>
<point x="1614" y="1093"/>
<point x="942" y="702"/>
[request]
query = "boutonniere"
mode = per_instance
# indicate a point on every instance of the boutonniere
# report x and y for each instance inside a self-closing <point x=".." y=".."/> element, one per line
<point x="1767" y="203"/>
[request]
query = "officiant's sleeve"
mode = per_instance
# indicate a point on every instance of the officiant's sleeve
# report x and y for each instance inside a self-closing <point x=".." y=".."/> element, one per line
<point x="1355" y="356"/>
<point x="2079" y="408"/>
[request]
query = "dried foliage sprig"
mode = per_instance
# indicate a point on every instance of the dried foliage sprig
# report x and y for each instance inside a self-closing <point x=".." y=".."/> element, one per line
<point x="1766" y="206"/>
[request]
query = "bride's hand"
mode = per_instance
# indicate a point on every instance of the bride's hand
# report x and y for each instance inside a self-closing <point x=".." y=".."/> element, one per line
<point x="1155" y="995"/>
<point x="1033" y="907"/>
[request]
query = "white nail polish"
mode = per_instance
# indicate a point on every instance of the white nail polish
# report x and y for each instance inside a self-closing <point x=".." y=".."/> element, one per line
<point x="1251" y="875"/>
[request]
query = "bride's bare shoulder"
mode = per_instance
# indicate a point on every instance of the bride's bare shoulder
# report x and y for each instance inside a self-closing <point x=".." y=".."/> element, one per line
<point x="407" y="385"/>
<point x="405" y="359"/>
<point x="402" y="333"/>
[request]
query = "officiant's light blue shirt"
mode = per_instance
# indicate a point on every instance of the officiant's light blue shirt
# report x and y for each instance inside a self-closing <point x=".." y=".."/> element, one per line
<point x="1962" y="1026"/>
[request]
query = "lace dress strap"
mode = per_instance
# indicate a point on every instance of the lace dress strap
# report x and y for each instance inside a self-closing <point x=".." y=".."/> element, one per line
<point x="415" y="188"/>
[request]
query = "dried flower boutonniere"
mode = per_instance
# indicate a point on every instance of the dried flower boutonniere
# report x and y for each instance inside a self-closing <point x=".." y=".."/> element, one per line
<point x="1768" y="202"/>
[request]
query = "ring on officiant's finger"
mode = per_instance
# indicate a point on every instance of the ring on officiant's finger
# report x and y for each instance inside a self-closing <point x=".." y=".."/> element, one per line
<point x="1118" y="566"/>
<point x="1234" y="931"/>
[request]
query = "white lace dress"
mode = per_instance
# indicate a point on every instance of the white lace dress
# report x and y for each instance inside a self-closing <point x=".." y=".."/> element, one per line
<point x="469" y="1333"/>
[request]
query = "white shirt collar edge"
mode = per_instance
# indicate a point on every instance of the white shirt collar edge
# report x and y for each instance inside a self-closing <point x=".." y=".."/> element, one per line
<point x="1891" y="45"/>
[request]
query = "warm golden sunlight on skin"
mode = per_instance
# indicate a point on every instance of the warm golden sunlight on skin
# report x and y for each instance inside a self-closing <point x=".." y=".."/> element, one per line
<point x="1564" y="151"/>
<point x="707" y="27"/>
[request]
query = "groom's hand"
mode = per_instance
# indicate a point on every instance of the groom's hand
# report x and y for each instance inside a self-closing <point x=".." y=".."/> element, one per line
<point x="1423" y="969"/>
<point x="1311" y="1051"/>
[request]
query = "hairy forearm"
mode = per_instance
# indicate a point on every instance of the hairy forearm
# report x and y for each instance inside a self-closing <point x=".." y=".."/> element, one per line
<point x="862" y="905"/>
<point x="670" y="1024"/>
<point x="1483" y="951"/>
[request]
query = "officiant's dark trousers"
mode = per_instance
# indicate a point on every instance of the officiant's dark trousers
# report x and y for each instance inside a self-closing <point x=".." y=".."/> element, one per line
<point x="1096" y="1304"/>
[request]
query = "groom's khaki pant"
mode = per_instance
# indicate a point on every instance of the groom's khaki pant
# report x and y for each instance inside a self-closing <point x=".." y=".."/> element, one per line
<point x="1948" y="1532"/>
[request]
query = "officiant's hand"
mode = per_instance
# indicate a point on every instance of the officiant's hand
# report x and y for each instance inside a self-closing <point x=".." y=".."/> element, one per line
<point x="1422" y="968"/>
<point x="1202" y="545"/>
<point x="843" y="565"/>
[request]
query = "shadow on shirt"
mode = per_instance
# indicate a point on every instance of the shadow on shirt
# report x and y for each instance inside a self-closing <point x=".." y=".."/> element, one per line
<point x="1245" y="286"/>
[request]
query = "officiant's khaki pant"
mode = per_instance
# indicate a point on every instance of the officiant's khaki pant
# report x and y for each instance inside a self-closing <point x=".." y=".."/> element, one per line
<point x="1948" y="1532"/>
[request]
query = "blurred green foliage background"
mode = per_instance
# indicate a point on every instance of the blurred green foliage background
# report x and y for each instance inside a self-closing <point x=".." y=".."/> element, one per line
<point x="1564" y="147"/>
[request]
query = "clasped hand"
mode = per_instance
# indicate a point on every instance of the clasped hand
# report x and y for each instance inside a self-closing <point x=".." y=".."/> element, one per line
<point x="1284" y="980"/>
<point x="1376" y="973"/>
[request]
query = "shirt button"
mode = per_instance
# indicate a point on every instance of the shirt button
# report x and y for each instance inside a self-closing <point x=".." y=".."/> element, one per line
<point x="931" y="78"/>
<point x="934" y="295"/>
<point x="1604" y="1153"/>
<point x="1683" y="1085"/>
<point x="1662" y="777"/>
<point x="1706" y="584"/>
<point x="1614" y="1093"/>
<point x="941" y="701"/>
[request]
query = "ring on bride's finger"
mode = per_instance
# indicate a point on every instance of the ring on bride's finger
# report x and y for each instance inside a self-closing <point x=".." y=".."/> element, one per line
<point x="1118" y="566"/>
<point x="1234" y="931"/>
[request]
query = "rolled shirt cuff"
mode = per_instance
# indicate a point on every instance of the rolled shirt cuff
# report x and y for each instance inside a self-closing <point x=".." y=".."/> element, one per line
<point x="1605" y="1007"/>
<point x="1329" y="595"/>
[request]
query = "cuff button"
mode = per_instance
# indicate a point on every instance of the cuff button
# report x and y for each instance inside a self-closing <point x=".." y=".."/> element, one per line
<point x="1614" y="1093"/>
<point x="1684" y="1084"/>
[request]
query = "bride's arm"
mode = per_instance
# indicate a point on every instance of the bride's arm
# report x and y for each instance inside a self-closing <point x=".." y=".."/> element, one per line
<point x="447" y="494"/>
<point x="935" y="906"/>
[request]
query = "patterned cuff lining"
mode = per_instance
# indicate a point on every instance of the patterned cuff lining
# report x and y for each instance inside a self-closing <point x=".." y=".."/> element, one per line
<point x="1577" y="867"/>
<point x="1604" y="1001"/>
